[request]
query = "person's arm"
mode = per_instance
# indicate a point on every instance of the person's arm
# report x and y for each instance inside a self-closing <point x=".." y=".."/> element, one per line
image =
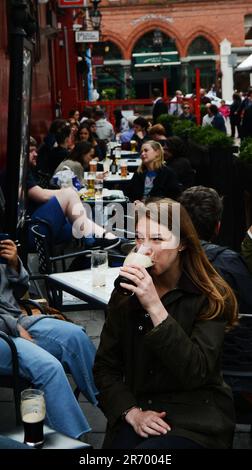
<point x="15" y="272"/>
<point x="246" y="249"/>
<point x="41" y="195"/>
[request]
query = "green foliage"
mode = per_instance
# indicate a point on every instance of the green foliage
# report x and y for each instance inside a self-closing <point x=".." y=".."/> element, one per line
<point x="108" y="93"/>
<point x="246" y="150"/>
<point x="210" y="137"/>
<point x="166" y="118"/>
<point x="183" y="128"/>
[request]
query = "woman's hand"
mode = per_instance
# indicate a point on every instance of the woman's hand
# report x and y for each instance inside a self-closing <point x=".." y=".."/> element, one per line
<point x="8" y="251"/>
<point x="145" y="291"/>
<point x="147" y="423"/>
<point x="24" y="333"/>
<point x="143" y="288"/>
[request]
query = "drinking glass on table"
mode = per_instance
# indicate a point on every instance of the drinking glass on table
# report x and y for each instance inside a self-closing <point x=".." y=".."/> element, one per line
<point x="124" y="169"/>
<point x="99" y="267"/>
<point x="98" y="187"/>
<point x="33" y="412"/>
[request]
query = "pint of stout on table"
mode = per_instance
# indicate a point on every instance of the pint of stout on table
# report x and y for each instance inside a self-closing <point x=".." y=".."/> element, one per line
<point x="33" y="414"/>
<point x="136" y="257"/>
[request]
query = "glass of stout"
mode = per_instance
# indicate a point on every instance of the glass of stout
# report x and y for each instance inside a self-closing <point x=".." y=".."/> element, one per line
<point x="136" y="257"/>
<point x="33" y="412"/>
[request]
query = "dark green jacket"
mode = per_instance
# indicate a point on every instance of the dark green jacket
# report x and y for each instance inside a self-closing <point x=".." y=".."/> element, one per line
<point x="174" y="367"/>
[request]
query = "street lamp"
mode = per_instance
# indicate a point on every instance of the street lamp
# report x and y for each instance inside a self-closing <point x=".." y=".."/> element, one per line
<point x="157" y="40"/>
<point x="95" y="15"/>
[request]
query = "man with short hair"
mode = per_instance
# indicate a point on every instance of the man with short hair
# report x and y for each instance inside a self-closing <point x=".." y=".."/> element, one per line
<point x="204" y="206"/>
<point x="159" y="107"/>
<point x="104" y="128"/>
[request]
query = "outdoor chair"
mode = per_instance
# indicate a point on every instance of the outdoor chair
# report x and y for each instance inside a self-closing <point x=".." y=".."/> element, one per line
<point x="50" y="263"/>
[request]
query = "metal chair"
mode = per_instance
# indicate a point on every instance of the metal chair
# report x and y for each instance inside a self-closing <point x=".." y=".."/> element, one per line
<point x="49" y="264"/>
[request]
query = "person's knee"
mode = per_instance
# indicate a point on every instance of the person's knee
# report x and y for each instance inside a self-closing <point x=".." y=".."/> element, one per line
<point x="52" y="367"/>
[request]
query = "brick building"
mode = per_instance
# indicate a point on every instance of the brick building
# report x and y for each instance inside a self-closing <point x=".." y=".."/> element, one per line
<point x="191" y="33"/>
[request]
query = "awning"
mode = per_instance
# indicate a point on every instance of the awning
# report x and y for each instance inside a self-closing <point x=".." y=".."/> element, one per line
<point x="145" y="59"/>
<point x="245" y="64"/>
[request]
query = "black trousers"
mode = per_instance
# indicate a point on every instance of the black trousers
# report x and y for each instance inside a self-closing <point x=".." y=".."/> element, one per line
<point x="126" y="438"/>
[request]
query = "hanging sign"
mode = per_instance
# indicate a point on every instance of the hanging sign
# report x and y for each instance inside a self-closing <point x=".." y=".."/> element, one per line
<point x="71" y="3"/>
<point x="86" y="36"/>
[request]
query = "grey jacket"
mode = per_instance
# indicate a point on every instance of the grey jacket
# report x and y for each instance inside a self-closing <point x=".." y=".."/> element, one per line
<point x="13" y="286"/>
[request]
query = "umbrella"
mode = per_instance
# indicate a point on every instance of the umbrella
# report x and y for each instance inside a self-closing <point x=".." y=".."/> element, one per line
<point x="245" y="64"/>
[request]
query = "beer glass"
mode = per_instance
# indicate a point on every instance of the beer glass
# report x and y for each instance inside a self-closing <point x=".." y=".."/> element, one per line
<point x="133" y="145"/>
<point x="99" y="266"/>
<point x="33" y="412"/>
<point x="137" y="257"/>
<point x="106" y="164"/>
<point x="124" y="170"/>
<point x="93" y="166"/>
<point x="98" y="186"/>
<point x="118" y="152"/>
<point x="90" y="184"/>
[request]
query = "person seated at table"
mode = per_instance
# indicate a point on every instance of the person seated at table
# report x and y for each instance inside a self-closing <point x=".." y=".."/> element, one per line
<point x="157" y="368"/>
<point x="61" y="152"/>
<point x="86" y="135"/>
<point x="78" y="160"/>
<point x="44" y="344"/>
<point x="62" y="210"/>
<point x="153" y="178"/>
<point x="140" y="135"/>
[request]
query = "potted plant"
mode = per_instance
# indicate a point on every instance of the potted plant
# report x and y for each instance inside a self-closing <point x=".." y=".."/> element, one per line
<point x="244" y="164"/>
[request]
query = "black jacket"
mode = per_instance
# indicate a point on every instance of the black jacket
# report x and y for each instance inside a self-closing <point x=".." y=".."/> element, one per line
<point x="165" y="185"/>
<point x="159" y="108"/>
<point x="173" y="367"/>
<point x="232" y="267"/>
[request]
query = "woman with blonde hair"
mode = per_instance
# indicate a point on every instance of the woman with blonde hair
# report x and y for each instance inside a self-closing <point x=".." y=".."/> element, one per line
<point x="153" y="178"/>
<point x="158" y="366"/>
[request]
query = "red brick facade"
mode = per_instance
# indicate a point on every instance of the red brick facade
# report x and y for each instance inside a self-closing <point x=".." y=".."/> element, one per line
<point x="124" y="22"/>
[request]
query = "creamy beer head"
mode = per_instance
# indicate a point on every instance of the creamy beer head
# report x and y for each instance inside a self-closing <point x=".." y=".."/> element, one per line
<point x="137" y="258"/>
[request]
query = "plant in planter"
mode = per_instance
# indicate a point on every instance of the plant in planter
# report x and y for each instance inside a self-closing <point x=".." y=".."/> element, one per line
<point x="244" y="164"/>
<point x="183" y="129"/>
<point x="246" y="150"/>
<point x="167" y="120"/>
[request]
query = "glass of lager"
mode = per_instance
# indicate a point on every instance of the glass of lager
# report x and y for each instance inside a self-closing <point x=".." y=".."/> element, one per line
<point x="33" y="412"/>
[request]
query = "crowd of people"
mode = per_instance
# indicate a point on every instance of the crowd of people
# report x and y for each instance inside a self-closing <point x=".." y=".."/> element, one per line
<point x="157" y="374"/>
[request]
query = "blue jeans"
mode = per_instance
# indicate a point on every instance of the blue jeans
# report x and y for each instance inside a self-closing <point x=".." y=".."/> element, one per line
<point x="56" y="344"/>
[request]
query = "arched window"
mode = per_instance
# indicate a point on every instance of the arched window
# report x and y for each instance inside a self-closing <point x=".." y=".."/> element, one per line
<point x="200" y="46"/>
<point x="248" y="27"/>
<point x="148" y="42"/>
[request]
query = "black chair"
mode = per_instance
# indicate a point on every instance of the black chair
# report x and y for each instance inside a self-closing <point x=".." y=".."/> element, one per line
<point x="50" y="263"/>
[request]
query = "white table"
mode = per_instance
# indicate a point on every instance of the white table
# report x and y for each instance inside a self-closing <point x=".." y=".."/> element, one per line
<point x="79" y="284"/>
<point x="117" y="178"/>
